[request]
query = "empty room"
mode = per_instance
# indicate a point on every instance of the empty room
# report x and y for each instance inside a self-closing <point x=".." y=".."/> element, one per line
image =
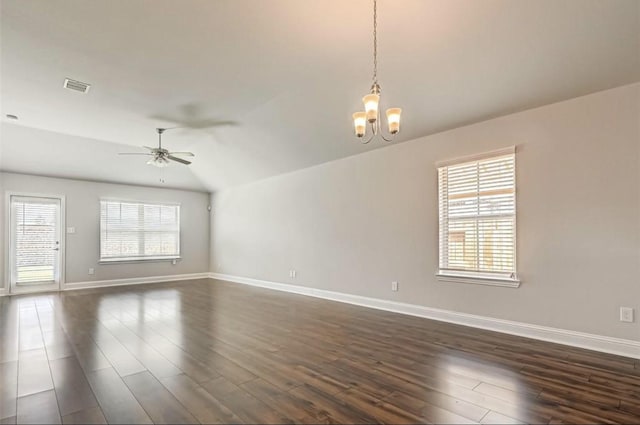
<point x="292" y="211"/>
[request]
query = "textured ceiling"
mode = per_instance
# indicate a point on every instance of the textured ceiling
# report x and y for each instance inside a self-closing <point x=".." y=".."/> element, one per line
<point x="268" y="87"/>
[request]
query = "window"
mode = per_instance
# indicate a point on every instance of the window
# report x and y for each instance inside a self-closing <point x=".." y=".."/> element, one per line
<point x="131" y="231"/>
<point x="477" y="215"/>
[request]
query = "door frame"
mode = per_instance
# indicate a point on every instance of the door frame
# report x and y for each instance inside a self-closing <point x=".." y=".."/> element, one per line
<point x="7" y="242"/>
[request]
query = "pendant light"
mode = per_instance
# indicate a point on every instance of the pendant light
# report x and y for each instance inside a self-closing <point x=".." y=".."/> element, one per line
<point x="371" y="114"/>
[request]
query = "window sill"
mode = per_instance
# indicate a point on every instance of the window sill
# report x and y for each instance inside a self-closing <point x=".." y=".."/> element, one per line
<point x="138" y="260"/>
<point x="479" y="280"/>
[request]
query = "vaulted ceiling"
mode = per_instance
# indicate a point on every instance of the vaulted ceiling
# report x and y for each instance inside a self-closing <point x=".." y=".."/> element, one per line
<point x="265" y="87"/>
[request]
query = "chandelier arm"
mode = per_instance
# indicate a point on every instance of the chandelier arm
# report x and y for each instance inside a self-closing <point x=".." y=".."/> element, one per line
<point x="378" y="131"/>
<point x="373" y="136"/>
<point x="369" y="139"/>
<point x="381" y="132"/>
<point x="385" y="139"/>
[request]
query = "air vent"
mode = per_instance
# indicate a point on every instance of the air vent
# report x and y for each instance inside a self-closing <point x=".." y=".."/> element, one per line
<point x="76" y="85"/>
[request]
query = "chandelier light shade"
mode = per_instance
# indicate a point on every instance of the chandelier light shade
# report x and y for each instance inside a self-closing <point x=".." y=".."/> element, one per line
<point x="371" y="114"/>
<point x="393" y="119"/>
<point x="371" y="106"/>
<point x="360" y="123"/>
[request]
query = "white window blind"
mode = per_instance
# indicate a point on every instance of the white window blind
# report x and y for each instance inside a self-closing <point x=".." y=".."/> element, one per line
<point x="34" y="239"/>
<point x="138" y="231"/>
<point x="477" y="214"/>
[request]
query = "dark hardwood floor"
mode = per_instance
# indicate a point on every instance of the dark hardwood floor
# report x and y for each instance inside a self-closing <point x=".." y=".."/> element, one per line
<point x="214" y="352"/>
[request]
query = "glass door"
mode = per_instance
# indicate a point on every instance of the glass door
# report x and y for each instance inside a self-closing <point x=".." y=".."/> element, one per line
<point x="35" y="243"/>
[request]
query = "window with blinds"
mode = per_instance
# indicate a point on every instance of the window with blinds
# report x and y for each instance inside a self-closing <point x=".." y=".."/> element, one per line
<point x="35" y="247"/>
<point x="131" y="231"/>
<point x="477" y="215"/>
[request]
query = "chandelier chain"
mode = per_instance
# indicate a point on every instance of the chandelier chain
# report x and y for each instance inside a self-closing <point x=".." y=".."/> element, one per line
<point x="375" y="42"/>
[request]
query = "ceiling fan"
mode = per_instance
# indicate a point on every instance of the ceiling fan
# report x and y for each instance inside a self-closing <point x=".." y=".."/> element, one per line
<point x="160" y="156"/>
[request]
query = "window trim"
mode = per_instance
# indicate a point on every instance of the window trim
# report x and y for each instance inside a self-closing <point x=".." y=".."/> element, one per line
<point x="478" y="279"/>
<point x="139" y="258"/>
<point x="481" y="278"/>
<point x="155" y="259"/>
<point x="476" y="157"/>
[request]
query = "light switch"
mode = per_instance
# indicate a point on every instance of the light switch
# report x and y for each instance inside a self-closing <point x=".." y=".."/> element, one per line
<point x="71" y="230"/>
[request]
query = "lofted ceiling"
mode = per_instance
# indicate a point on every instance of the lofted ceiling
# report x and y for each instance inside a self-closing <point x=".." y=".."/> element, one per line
<point x="267" y="87"/>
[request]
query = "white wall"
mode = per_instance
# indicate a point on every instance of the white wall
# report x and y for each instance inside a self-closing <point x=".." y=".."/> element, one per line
<point x="83" y="212"/>
<point x="356" y="224"/>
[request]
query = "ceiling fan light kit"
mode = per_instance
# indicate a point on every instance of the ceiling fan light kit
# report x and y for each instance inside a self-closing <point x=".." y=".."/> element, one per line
<point x="158" y="161"/>
<point x="160" y="156"/>
<point x="371" y="114"/>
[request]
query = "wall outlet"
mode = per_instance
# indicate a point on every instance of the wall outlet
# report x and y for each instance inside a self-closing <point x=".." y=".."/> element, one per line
<point x="394" y="286"/>
<point x="174" y="262"/>
<point x="92" y="271"/>
<point x="292" y="273"/>
<point x="626" y="314"/>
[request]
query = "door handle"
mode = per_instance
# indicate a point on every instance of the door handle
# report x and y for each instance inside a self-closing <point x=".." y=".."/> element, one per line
<point x="56" y="249"/>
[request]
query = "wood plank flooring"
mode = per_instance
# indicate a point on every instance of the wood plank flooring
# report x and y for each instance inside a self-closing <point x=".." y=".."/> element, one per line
<point x="214" y="352"/>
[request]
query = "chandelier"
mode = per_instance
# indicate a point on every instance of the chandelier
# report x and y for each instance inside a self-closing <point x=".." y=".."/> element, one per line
<point x="372" y="101"/>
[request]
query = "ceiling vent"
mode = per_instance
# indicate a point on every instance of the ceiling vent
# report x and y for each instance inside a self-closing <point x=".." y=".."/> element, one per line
<point x="76" y="85"/>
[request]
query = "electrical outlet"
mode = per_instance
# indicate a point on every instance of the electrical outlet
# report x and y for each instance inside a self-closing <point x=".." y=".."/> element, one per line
<point x="92" y="271"/>
<point x="174" y="262"/>
<point x="626" y="314"/>
<point x="394" y="286"/>
<point x="292" y="273"/>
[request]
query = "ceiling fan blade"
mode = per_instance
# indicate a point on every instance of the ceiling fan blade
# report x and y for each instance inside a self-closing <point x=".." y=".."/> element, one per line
<point x="182" y="153"/>
<point x="193" y="117"/>
<point x="136" y="153"/>
<point x="149" y="148"/>
<point x="180" y="160"/>
<point x="206" y="123"/>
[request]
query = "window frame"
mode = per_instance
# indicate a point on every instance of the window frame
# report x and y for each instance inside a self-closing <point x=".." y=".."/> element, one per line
<point x="139" y="259"/>
<point x="477" y="277"/>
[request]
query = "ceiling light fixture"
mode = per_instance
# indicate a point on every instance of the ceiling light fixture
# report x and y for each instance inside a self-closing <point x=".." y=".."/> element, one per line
<point x="160" y="157"/>
<point x="372" y="100"/>
<point x="158" y="161"/>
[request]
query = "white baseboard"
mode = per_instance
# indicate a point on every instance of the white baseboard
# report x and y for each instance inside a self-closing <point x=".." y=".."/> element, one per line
<point x="132" y="281"/>
<point x="622" y="347"/>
